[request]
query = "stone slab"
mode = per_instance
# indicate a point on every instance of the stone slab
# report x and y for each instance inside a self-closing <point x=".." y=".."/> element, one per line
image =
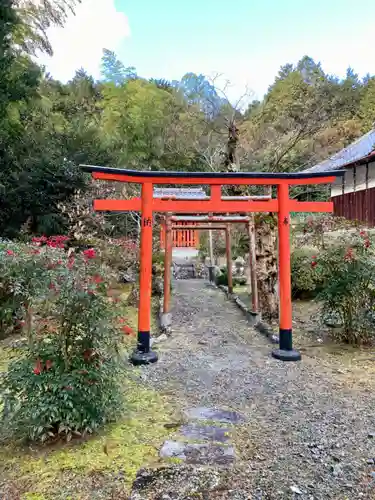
<point x="205" y="433"/>
<point x="202" y="453"/>
<point x="222" y="416"/>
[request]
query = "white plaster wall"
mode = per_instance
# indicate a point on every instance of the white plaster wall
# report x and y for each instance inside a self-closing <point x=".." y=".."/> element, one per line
<point x="336" y="188"/>
<point x="360" y="177"/>
<point x="349" y="181"/>
<point x="360" y="184"/>
<point x="371" y="174"/>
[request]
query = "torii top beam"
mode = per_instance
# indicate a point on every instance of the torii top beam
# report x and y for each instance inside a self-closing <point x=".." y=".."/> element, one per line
<point x="212" y="178"/>
<point x="216" y="203"/>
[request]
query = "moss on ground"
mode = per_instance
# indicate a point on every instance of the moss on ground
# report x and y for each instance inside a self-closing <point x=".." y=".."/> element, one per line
<point x="115" y="455"/>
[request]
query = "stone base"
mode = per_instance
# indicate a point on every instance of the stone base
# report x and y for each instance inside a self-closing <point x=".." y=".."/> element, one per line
<point x="253" y="318"/>
<point x="283" y="355"/>
<point x="143" y="358"/>
<point x="165" y="321"/>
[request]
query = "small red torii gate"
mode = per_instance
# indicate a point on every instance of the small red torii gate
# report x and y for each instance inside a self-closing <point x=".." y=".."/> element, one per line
<point x="216" y="204"/>
<point x="181" y="237"/>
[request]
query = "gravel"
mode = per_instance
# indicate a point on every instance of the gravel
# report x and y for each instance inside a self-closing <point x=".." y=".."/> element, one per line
<point x="305" y="434"/>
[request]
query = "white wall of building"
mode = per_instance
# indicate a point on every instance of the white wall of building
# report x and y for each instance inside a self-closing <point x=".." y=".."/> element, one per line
<point x="355" y="180"/>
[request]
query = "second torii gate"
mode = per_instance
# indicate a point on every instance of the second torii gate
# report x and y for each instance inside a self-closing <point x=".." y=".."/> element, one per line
<point x="216" y="204"/>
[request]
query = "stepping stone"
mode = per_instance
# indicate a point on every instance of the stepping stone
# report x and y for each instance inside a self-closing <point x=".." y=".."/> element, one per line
<point x="223" y="416"/>
<point x="203" y="454"/>
<point x="206" y="433"/>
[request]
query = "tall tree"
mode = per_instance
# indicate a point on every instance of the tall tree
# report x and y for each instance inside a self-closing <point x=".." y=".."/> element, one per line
<point x="367" y="106"/>
<point x="113" y="70"/>
<point x="36" y="16"/>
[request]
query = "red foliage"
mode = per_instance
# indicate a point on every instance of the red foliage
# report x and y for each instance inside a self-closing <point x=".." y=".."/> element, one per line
<point x="49" y="364"/>
<point x="97" y="279"/>
<point x="58" y="241"/>
<point x="9" y="252"/>
<point x="349" y="255"/>
<point x="89" y="253"/>
<point x="38" y="367"/>
<point x="127" y="330"/>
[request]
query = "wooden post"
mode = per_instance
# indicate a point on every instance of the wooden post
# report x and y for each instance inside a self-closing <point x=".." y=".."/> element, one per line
<point x="143" y="355"/>
<point x="228" y="245"/>
<point x="211" y="251"/>
<point x="253" y="266"/>
<point x="285" y="351"/>
<point x="166" y="319"/>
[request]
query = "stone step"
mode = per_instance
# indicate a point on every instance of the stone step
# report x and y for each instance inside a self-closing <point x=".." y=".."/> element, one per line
<point x="214" y="415"/>
<point x="198" y="453"/>
<point x="198" y="432"/>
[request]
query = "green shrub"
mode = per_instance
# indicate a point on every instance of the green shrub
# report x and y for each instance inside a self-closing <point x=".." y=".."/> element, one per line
<point x="306" y="281"/>
<point x="67" y="381"/>
<point x="23" y="275"/>
<point x="348" y="295"/>
<point x="120" y="254"/>
<point x="222" y="279"/>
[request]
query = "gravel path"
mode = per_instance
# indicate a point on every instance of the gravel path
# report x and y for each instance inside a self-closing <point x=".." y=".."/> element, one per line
<point x="307" y="434"/>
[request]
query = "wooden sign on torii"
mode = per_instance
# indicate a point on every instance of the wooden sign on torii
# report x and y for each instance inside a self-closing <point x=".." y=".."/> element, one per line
<point x="215" y="204"/>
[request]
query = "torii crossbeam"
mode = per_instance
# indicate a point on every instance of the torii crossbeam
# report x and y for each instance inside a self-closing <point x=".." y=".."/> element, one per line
<point x="216" y="204"/>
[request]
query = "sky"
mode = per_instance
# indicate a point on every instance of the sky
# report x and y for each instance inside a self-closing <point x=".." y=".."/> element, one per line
<point x="244" y="41"/>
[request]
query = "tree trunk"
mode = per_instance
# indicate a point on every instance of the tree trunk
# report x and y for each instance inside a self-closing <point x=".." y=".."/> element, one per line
<point x="265" y="236"/>
<point x="266" y="230"/>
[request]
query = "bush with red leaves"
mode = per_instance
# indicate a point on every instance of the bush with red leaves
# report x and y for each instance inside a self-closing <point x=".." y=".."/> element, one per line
<point x="67" y="383"/>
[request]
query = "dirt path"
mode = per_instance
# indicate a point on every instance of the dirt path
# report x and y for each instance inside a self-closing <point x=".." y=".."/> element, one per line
<point x="307" y="433"/>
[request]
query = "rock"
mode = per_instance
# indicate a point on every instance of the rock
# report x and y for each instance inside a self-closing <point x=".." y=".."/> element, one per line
<point x="127" y="278"/>
<point x="206" y="433"/>
<point x="240" y="261"/>
<point x="173" y="425"/>
<point x="370" y="461"/>
<point x="371" y="435"/>
<point x="184" y="271"/>
<point x="224" y="416"/>
<point x="162" y="338"/>
<point x="240" y="280"/>
<point x="296" y="490"/>
<point x="198" y="453"/>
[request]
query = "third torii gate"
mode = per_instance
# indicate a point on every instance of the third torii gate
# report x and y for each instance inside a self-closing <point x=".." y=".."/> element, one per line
<point x="283" y="205"/>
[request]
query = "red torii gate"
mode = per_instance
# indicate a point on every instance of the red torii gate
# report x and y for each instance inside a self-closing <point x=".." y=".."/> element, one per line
<point x="147" y="205"/>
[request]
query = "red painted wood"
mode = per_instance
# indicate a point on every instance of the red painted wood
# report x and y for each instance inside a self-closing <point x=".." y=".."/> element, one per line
<point x="359" y="205"/>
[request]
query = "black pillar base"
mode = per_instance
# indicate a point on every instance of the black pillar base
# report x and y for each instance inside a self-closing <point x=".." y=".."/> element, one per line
<point x="143" y="358"/>
<point x="211" y="277"/>
<point x="286" y="355"/>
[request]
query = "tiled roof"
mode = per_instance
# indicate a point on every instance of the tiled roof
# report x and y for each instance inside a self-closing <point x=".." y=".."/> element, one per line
<point x="361" y="148"/>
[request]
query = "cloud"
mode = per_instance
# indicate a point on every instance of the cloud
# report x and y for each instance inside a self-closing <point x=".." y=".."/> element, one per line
<point x="96" y="25"/>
